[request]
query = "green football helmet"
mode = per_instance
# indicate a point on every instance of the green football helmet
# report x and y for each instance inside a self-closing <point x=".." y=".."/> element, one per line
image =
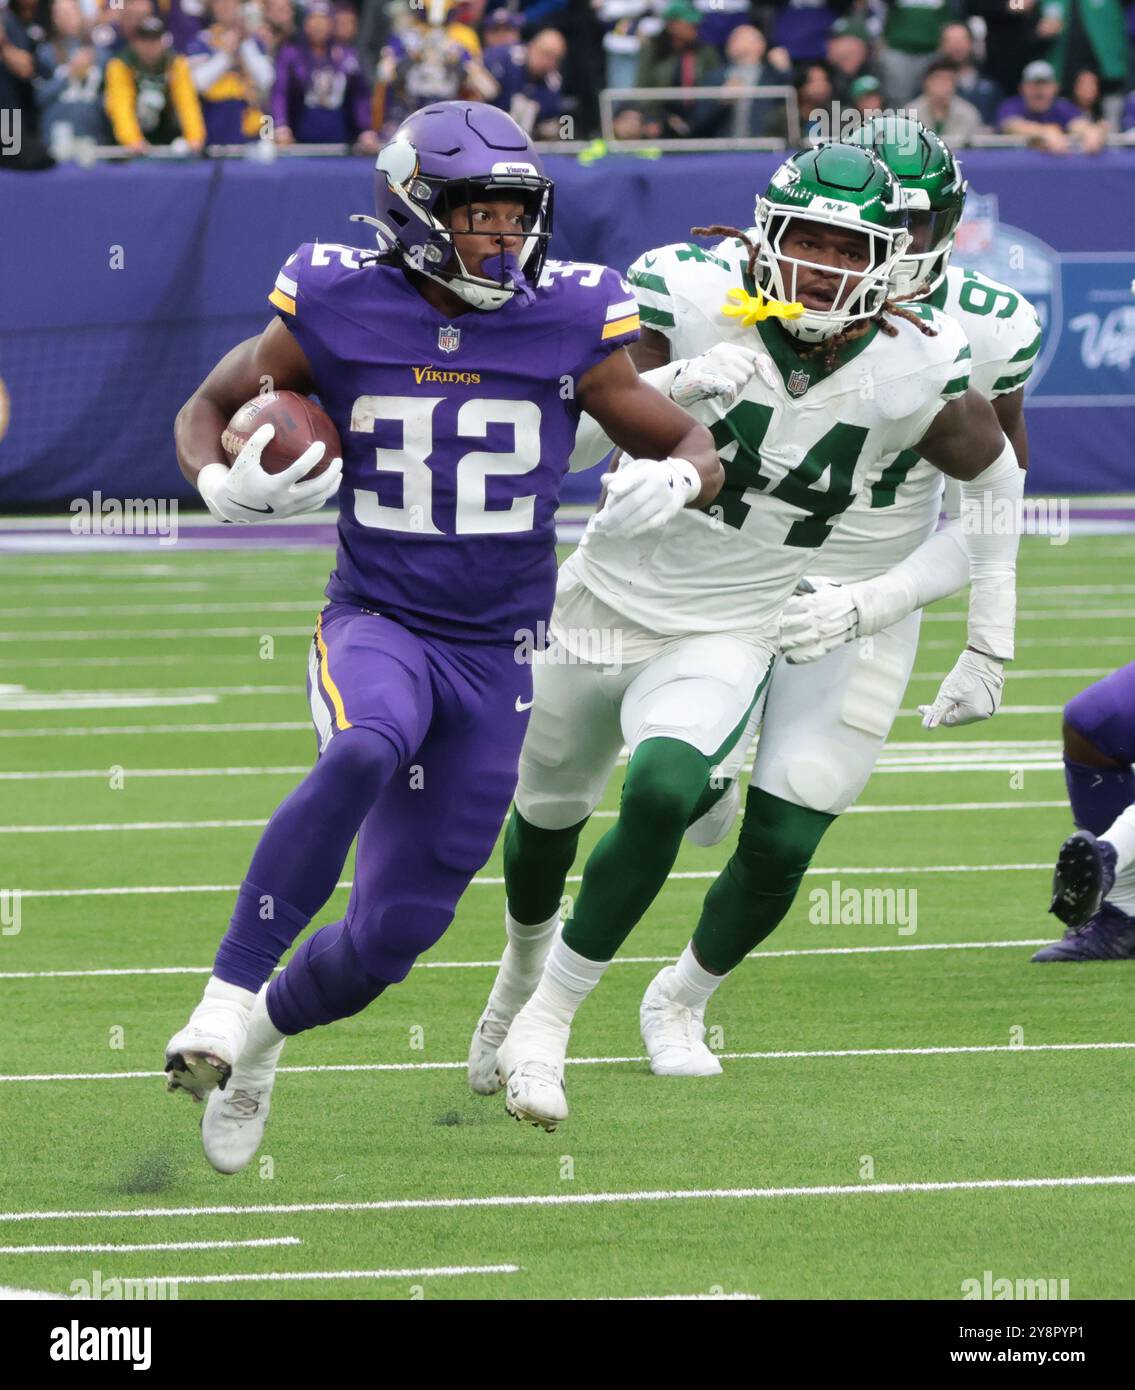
<point x="836" y="185"/>
<point x="931" y="179"/>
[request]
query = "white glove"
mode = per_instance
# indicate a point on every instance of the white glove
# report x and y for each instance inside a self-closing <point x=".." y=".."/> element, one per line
<point x="644" y="494"/>
<point x="722" y="372"/>
<point x="245" y="493"/>
<point x="971" y="691"/>
<point x="815" y="621"/>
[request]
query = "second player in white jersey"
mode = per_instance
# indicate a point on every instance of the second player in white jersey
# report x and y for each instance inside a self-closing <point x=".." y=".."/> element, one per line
<point x="803" y="416"/>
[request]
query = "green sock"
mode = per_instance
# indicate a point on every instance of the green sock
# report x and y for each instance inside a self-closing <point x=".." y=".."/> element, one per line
<point x="629" y="865"/>
<point x="754" y="891"/>
<point x="536" y="866"/>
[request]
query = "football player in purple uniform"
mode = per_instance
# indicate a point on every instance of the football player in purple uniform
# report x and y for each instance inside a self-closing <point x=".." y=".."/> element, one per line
<point x="1093" y="890"/>
<point x="455" y="364"/>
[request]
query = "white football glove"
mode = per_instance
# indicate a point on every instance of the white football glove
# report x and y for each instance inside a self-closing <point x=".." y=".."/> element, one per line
<point x="644" y="494"/>
<point x="245" y="493"/>
<point x="971" y="691"/>
<point x="815" y="621"/>
<point x="722" y="372"/>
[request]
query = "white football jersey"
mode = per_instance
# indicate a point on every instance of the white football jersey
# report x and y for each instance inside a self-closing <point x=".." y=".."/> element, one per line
<point x="892" y="516"/>
<point x="798" y="446"/>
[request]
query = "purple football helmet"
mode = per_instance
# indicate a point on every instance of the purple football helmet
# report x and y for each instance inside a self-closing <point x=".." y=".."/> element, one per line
<point x="448" y="155"/>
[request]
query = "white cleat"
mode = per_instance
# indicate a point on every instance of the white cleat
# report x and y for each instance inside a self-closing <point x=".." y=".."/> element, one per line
<point x="713" y="827"/>
<point x="232" y="1128"/>
<point x="530" y="1065"/>
<point x="490" y="1032"/>
<point x="674" y="1034"/>
<point x="202" y="1055"/>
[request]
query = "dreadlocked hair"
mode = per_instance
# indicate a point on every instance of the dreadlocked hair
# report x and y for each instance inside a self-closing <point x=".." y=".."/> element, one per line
<point x="828" y="350"/>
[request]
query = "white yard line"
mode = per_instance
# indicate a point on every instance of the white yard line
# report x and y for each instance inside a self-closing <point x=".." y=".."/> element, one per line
<point x="181" y="634"/>
<point x="918" y="753"/>
<point x="952" y="645"/>
<point x="573" y="1199"/>
<point x="258" y="822"/>
<point x="192" y="632"/>
<point x="284" y="726"/>
<point x="490" y="881"/>
<point x="257" y="605"/>
<point x="103" y="773"/>
<point x="788" y="953"/>
<point x="289" y="726"/>
<point x="1042" y="615"/>
<point x="325" y="1068"/>
<point x="158" y="1245"/>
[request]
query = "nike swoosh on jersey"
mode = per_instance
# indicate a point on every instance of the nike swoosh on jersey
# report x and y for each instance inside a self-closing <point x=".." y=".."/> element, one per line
<point x="521" y="706"/>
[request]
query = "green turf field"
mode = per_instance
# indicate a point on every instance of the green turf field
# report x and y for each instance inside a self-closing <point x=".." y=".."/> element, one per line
<point x="900" y="1111"/>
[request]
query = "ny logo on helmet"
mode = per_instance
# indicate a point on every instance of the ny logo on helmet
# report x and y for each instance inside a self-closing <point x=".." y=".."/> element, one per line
<point x="449" y="338"/>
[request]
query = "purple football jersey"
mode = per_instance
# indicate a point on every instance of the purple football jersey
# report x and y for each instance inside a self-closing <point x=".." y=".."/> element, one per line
<point x="456" y="432"/>
<point x="322" y="97"/>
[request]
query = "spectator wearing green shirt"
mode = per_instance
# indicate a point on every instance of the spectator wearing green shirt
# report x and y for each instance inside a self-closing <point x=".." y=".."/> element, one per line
<point x="1089" y="34"/>
<point x="910" y="40"/>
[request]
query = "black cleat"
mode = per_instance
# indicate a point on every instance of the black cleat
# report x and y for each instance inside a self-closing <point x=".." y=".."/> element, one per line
<point x="1084" y="875"/>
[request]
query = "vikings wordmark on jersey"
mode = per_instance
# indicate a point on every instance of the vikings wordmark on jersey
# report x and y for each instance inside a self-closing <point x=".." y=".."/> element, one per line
<point x="455" y="437"/>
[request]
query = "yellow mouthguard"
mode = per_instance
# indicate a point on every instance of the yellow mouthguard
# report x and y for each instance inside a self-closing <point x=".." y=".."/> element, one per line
<point x="752" y="309"/>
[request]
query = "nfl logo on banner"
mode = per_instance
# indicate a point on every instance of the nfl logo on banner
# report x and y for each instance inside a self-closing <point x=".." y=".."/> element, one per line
<point x="448" y="338"/>
<point x="798" y="383"/>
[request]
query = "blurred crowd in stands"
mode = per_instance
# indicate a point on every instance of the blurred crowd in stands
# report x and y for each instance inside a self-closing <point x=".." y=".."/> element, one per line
<point x="182" y="75"/>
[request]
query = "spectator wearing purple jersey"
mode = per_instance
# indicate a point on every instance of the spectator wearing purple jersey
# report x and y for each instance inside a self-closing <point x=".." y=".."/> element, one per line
<point x="321" y="95"/>
<point x="802" y="28"/>
<point x="184" y="20"/>
<point x="501" y="28"/>
<point x="1045" y="119"/>
<point x="232" y="73"/>
<point x="528" y="81"/>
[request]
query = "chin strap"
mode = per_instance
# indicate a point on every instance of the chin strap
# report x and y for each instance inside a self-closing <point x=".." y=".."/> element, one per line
<point x="751" y="309"/>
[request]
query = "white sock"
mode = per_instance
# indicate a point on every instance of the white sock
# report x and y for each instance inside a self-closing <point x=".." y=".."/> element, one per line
<point x="522" y="963"/>
<point x="217" y="991"/>
<point x="1121" y="834"/>
<point x="691" y="984"/>
<point x="1122" y="895"/>
<point x="567" y="980"/>
<point x="264" y="1041"/>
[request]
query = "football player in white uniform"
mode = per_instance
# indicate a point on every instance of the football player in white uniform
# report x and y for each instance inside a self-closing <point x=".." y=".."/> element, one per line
<point x="807" y="412"/>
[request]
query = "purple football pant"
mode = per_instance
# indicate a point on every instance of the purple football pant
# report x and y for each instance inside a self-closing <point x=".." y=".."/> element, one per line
<point x="1104" y="714"/>
<point x="420" y="742"/>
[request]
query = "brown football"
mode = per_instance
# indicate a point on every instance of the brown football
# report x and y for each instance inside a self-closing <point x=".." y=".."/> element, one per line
<point x="299" y="423"/>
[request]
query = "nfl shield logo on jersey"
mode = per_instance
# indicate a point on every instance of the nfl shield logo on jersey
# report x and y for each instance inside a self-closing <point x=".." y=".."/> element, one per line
<point x="798" y="383"/>
<point x="448" y="338"/>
